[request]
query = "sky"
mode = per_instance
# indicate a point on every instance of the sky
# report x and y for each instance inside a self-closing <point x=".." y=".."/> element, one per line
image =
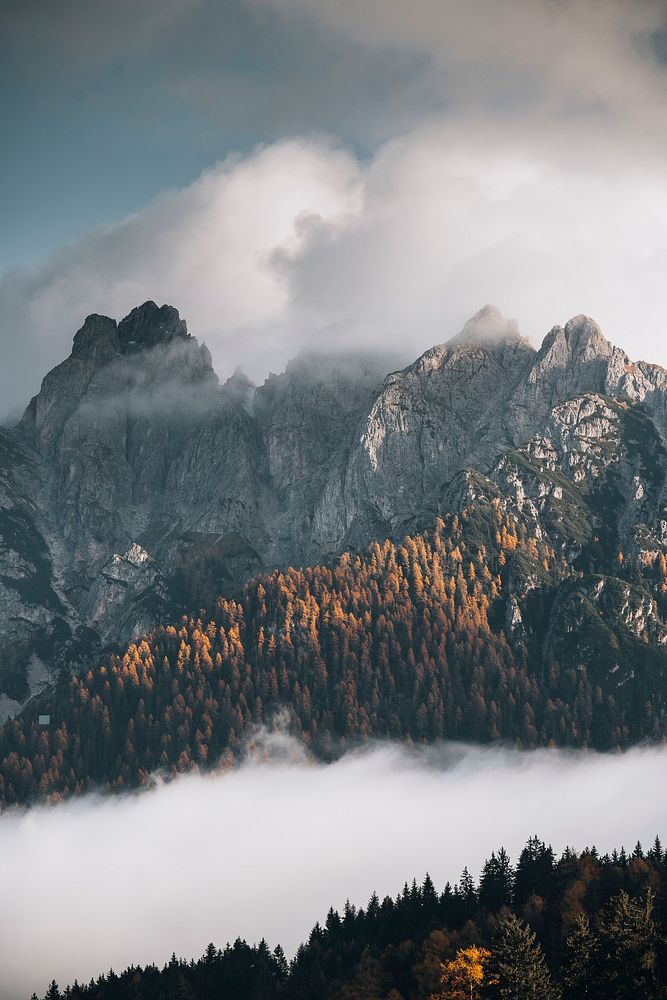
<point x="296" y="173"/>
<point x="265" y="850"/>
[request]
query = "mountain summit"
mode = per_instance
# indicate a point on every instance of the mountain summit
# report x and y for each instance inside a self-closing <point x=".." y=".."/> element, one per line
<point x="487" y="326"/>
<point x="144" y="327"/>
<point x="149" y="325"/>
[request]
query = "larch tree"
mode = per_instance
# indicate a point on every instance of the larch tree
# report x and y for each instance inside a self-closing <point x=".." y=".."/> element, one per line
<point x="464" y="976"/>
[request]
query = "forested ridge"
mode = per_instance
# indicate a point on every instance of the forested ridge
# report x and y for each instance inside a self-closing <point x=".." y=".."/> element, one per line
<point x="412" y="640"/>
<point x="581" y="927"/>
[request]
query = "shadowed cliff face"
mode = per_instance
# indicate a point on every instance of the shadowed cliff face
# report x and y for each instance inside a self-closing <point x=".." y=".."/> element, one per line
<point x="136" y="485"/>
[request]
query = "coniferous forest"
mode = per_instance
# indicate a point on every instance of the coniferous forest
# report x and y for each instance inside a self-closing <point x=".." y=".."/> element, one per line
<point x="577" y="927"/>
<point x="404" y="641"/>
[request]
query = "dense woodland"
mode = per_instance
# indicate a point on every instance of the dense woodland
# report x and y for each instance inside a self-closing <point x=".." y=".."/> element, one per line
<point x="405" y="641"/>
<point x="580" y="927"/>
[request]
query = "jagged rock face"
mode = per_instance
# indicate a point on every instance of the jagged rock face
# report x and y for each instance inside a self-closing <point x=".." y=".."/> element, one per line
<point x="134" y="475"/>
<point x="128" y="595"/>
<point x="596" y="472"/>
<point x="464" y="404"/>
<point x="310" y="419"/>
<point x="29" y="601"/>
<point x="442" y="413"/>
<point x="133" y="442"/>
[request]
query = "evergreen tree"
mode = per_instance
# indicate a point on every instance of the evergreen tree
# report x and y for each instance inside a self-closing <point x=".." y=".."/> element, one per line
<point x="517" y="968"/>
<point x="581" y="970"/>
<point x="369" y="982"/>
<point x="656" y="854"/>
<point x="628" y="943"/>
<point x="534" y="872"/>
<point x="496" y="882"/>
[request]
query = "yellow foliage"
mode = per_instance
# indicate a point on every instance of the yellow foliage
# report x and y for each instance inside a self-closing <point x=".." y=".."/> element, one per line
<point x="463" y="977"/>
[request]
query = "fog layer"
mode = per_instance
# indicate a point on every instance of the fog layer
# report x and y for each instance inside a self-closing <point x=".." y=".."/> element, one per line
<point x="266" y="849"/>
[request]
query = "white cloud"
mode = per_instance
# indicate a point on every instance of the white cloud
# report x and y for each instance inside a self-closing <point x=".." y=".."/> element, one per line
<point x="545" y="228"/>
<point x="540" y="187"/>
<point x="300" y="243"/>
<point x="266" y="849"/>
<point x="206" y="248"/>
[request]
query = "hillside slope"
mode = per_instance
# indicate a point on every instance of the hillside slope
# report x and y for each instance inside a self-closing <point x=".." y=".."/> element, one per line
<point x="480" y="630"/>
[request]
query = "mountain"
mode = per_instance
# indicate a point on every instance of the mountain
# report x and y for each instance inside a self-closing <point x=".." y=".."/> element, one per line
<point x="136" y="487"/>
<point x="132" y="444"/>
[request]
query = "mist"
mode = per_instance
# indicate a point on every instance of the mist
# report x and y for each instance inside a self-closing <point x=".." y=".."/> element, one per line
<point x="264" y="850"/>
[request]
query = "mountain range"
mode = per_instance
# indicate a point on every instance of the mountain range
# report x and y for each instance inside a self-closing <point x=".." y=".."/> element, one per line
<point x="136" y="487"/>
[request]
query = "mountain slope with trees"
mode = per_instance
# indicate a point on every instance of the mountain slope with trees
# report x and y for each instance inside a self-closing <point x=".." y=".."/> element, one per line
<point x="137" y="487"/>
<point x="479" y="630"/>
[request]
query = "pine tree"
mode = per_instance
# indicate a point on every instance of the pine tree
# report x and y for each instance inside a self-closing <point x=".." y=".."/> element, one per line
<point x="369" y="980"/>
<point x="495" y="886"/>
<point x="628" y="943"/>
<point x="517" y="968"/>
<point x="533" y="871"/>
<point x="581" y="972"/>
<point x="656" y="853"/>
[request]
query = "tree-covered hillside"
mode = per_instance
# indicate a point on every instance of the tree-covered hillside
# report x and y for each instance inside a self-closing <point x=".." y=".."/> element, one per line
<point x="580" y="927"/>
<point x="475" y="631"/>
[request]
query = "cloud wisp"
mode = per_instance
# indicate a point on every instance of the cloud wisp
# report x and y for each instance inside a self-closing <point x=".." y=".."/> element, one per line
<point x="266" y="849"/>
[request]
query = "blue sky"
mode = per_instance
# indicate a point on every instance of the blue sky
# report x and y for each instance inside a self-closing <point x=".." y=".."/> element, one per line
<point x="297" y="173"/>
<point x="94" y="127"/>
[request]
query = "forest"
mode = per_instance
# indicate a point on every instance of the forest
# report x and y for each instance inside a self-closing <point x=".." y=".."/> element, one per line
<point x="406" y="641"/>
<point x="576" y="927"/>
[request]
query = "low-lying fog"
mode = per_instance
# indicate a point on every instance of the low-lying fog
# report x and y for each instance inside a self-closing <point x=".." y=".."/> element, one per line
<point x="266" y="849"/>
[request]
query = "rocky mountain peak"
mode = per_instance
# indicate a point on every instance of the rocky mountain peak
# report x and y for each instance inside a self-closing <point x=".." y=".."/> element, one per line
<point x="488" y="330"/>
<point x="239" y="380"/>
<point x="240" y="388"/>
<point x="488" y="325"/>
<point x="97" y="340"/>
<point x="585" y="339"/>
<point x="149" y="325"/>
<point x="579" y="342"/>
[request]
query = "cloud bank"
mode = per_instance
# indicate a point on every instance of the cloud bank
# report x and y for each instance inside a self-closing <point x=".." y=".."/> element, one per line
<point x="301" y="244"/>
<point x="266" y="849"/>
<point x="528" y="172"/>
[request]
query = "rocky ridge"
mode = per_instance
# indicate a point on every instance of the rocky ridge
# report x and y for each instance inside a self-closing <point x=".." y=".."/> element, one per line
<point x="136" y="485"/>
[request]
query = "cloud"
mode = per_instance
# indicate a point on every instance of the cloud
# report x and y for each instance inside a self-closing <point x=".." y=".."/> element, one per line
<point x="76" y="37"/>
<point x="266" y="849"/>
<point x="525" y="168"/>
<point x="572" y="53"/>
<point x="545" y="226"/>
<point x="302" y="244"/>
<point x="206" y="248"/>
